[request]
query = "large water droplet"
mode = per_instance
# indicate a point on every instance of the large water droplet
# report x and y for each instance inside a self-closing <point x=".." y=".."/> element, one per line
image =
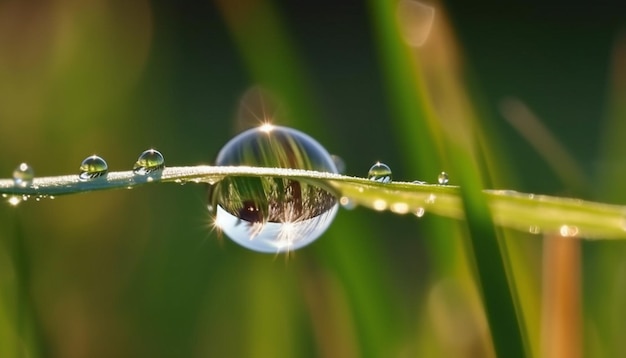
<point x="379" y="172"/>
<point x="92" y="167"/>
<point x="23" y="175"/>
<point x="149" y="161"/>
<point x="442" y="179"/>
<point x="270" y="214"/>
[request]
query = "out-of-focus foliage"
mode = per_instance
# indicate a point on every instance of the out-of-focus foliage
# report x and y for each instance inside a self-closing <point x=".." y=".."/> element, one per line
<point x="140" y="273"/>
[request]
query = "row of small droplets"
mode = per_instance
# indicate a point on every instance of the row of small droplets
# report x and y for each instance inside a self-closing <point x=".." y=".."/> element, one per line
<point x="94" y="166"/>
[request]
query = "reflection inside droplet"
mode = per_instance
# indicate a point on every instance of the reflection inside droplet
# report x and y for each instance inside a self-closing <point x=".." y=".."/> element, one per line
<point x="270" y="214"/>
<point x="149" y="161"/>
<point x="379" y="172"/>
<point x="442" y="178"/>
<point x="93" y="167"/>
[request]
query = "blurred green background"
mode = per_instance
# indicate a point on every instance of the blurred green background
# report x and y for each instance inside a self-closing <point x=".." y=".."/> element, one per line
<point x="140" y="273"/>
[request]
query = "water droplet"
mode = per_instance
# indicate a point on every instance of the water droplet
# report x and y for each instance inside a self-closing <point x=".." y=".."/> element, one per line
<point x="92" y="167"/>
<point x="23" y="175"/>
<point x="568" y="231"/>
<point x="149" y="161"/>
<point x="379" y="172"/>
<point x="270" y="214"/>
<point x="442" y="179"/>
<point x="420" y="212"/>
<point x="400" y="208"/>
<point x="379" y="205"/>
<point x="347" y="203"/>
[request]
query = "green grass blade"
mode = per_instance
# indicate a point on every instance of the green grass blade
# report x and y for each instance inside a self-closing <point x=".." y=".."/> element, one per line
<point x="527" y="212"/>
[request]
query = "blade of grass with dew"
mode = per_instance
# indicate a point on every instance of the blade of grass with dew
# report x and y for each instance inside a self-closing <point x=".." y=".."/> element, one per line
<point x="533" y="213"/>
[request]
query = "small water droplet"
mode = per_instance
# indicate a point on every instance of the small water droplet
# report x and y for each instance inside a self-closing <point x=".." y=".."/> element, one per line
<point x="399" y="208"/>
<point x="379" y="204"/>
<point x="568" y="231"/>
<point x="379" y="172"/>
<point x="442" y="179"/>
<point x="420" y="212"/>
<point x="268" y="214"/>
<point x="23" y="175"/>
<point x="347" y="203"/>
<point x="93" y="167"/>
<point x="149" y="161"/>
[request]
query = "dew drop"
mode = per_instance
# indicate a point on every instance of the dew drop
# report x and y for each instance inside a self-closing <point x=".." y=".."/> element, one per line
<point x="269" y="214"/>
<point x="442" y="179"/>
<point x="23" y="175"/>
<point x="149" y="161"/>
<point x="379" y="205"/>
<point x="568" y="231"/>
<point x="400" y="208"/>
<point x="347" y="203"/>
<point x="420" y="212"/>
<point x="92" y="167"/>
<point x="379" y="172"/>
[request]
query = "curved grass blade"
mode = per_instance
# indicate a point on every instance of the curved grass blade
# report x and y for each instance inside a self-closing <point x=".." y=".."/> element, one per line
<point x="532" y="213"/>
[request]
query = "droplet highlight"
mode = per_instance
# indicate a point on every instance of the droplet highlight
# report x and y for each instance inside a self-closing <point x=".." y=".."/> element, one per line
<point x="268" y="214"/>
<point x="23" y="175"/>
<point x="149" y="161"/>
<point x="379" y="172"/>
<point x="93" y="167"/>
<point x="442" y="179"/>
